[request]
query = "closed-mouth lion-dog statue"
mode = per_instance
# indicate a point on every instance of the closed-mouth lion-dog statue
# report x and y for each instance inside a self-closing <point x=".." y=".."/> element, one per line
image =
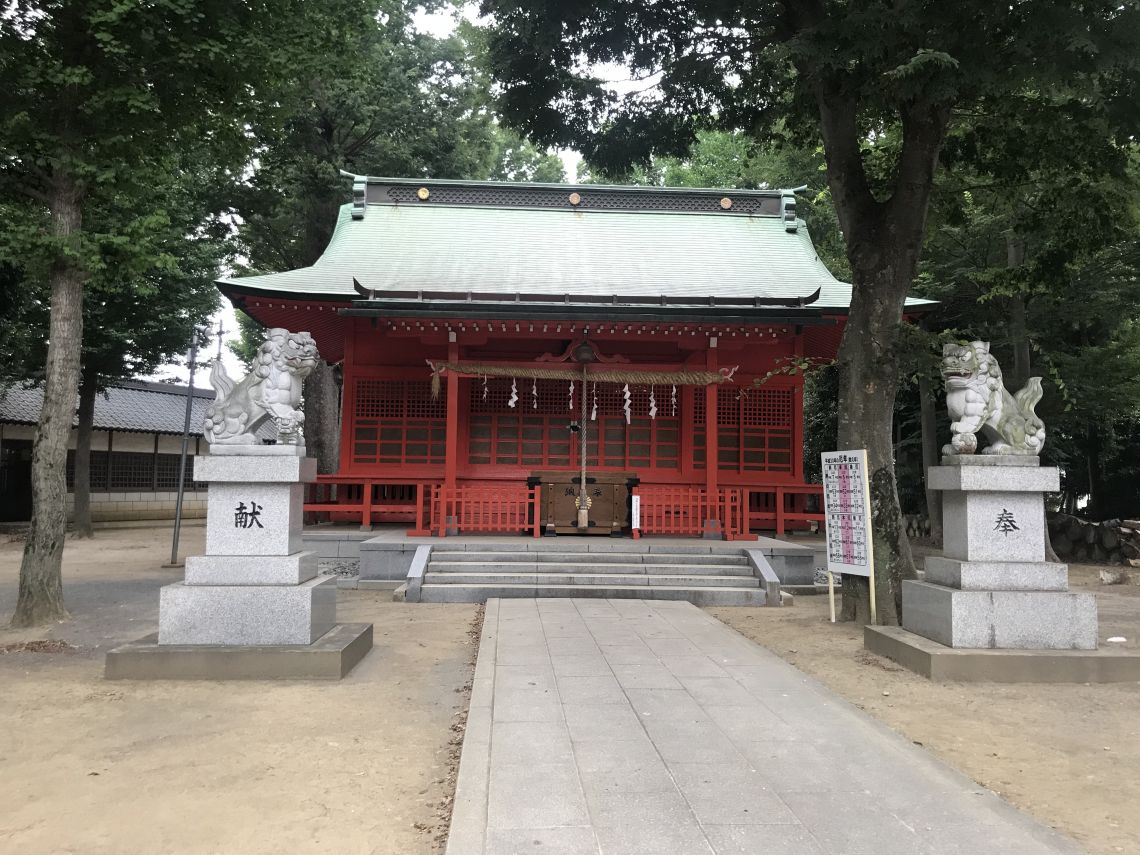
<point x="979" y="404"/>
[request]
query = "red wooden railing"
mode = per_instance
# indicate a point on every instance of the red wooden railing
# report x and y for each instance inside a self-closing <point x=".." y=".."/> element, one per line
<point x="343" y="498"/>
<point x="479" y="508"/>
<point x="668" y="510"/>
<point x="774" y="507"/>
<point x="683" y="511"/>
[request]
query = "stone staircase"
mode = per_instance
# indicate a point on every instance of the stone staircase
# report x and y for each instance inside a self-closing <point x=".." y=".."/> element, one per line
<point x="474" y="572"/>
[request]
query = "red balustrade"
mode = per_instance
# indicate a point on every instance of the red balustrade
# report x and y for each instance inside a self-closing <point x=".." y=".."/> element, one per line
<point x="776" y="506"/>
<point x="479" y="508"/>
<point x="679" y="511"/>
<point x="683" y="511"/>
<point x="343" y="498"/>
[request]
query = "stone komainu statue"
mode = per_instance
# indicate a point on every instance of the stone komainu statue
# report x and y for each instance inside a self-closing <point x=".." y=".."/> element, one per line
<point x="979" y="403"/>
<point x="272" y="390"/>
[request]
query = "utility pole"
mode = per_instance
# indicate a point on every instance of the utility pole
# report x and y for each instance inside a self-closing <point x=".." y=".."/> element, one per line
<point x="220" y="333"/>
<point x="199" y="334"/>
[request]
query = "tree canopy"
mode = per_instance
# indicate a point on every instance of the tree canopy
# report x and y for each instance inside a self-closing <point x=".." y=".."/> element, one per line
<point x="95" y="96"/>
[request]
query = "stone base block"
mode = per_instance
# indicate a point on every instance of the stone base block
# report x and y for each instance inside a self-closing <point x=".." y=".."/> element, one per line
<point x="255" y="467"/>
<point x="388" y="560"/>
<point x="251" y="569"/>
<point x="217" y="450"/>
<point x="1019" y="620"/>
<point x="330" y="657"/>
<point x="993" y="526"/>
<point x="996" y="575"/>
<point x="938" y="662"/>
<point x="246" y="615"/>
<point x="254" y="518"/>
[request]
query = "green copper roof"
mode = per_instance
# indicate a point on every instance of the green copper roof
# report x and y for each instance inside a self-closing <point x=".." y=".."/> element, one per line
<point x="457" y="247"/>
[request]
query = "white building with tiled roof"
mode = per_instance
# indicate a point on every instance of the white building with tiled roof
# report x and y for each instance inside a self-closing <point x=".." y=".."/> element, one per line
<point x="135" y="451"/>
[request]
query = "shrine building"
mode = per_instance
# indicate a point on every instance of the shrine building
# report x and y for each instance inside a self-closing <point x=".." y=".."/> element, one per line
<point x="504" y="345"/>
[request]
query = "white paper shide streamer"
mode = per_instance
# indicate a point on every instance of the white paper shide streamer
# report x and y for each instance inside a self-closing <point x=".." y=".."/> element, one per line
<point x="594" y="409"/>
<point x="652" y="404"/>
<point x="484" y="387"/>
<point x="534" y="394"/>
<point x="514" y="399"/>
<point x="673" y="400"/>
<point x="626" y="401"/>
<point x="571" y="396"/>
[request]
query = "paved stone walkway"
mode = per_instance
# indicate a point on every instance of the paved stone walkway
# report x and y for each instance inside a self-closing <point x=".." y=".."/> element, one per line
<point x="632" y="727"/>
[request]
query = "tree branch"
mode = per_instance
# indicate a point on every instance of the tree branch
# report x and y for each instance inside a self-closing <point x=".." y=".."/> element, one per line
<point x="924" y="129"/>
<point x="855" y="205"/>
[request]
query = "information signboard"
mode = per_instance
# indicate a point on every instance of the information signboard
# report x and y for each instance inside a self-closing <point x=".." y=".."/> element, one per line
<point x="847" y="506"/>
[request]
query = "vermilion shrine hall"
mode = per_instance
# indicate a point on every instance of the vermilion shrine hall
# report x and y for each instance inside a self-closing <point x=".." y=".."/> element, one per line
<point x="490" y="333"/>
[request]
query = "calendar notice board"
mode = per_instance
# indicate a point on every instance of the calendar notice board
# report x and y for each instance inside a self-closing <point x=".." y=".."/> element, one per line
<point x="847" y="506"/>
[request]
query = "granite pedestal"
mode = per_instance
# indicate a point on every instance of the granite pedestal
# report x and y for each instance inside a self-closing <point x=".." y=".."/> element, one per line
<point x="992" y="587"/>
<point x="255" y="594"/>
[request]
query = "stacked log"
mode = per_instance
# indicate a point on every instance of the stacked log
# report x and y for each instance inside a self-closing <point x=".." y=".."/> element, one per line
<point x="917" y="525"/>
<point x="1111" y="541"/>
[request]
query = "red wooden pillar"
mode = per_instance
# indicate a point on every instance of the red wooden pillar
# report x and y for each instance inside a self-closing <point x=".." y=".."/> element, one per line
<point x="712" y="436"/>
<point x="449" y="505"/>
<point x="451" y="457"/>
<point x="798" y="416"/>
<point x="347" y="400"/>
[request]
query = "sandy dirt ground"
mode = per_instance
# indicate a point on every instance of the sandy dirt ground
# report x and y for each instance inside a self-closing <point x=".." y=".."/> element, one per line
<point x="363" y="766"/>
<point x="1068" y="754"/>
<point x="92" y="767"/>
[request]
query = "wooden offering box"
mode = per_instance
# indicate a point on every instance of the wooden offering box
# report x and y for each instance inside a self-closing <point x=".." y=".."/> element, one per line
<point x="608" y="493"/>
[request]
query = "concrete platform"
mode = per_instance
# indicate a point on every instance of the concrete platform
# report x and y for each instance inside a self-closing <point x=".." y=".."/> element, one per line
<point x="633" y="727"/>
<point x="387" y="551"/>
<point x="330" y="657"/>
<point x="940" y="663"/>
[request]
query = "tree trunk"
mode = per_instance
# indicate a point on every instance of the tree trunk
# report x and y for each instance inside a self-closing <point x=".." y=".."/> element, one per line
<point x="930" y="456"/>
<point x="1096" y="474"/>
<point x="40" y="597"/>
<point x="868" y="380"/>
<point x="81" y="516"/>
<point x="1018" y="331"/>
<point x="322" y="422"/>
<point x="884" y="241"/>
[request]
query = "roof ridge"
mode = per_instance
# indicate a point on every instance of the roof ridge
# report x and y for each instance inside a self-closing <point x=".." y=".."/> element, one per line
<point x="648" y="189"/>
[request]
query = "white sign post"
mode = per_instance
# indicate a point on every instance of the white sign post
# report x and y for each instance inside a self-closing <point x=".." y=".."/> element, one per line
<point x="847" y="507"/>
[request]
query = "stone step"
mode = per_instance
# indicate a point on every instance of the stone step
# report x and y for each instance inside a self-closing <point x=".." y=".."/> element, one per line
<point x="435" y="566"/>
<point x="514" y="578"/>
<point x="609" y="557"/>
<point x="592" y="545"/>
<point x="431" y="593"/>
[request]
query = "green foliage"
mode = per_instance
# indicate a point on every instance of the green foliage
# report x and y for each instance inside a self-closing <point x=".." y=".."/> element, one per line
<point x="150" y="276"/>
<point x="123" y="117"/>
<point x="250" y="336"/>
<point x="1076" y="270"/>
<point x="516" y="159"/>
<point x="94" y="90"/>
<point x="368" y="94"/>
<point x="821" y="419"/>
<point x="757" y="67"/>
<point x="735" y="160"/>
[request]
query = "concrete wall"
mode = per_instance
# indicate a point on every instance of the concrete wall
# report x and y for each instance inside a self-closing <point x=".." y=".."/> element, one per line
<point x="143" y="506"/>
<point x="106" y="507"/>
